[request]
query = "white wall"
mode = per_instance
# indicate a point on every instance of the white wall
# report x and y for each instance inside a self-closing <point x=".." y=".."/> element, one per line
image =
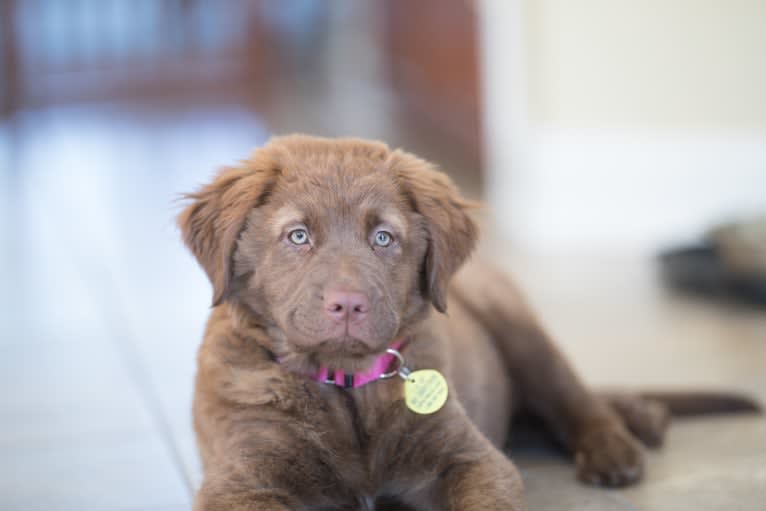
<point x="623" y="122"/>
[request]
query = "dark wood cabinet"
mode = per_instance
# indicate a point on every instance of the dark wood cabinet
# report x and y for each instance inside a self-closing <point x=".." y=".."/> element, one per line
<point x="433" y="61"/>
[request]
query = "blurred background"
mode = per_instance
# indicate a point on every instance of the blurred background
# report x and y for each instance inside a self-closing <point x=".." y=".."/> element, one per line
<point x="610" y="140"/>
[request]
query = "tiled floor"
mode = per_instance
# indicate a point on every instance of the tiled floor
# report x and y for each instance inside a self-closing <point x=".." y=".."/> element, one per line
<point x="101" y="311"/>
<point x="622" y="329"/>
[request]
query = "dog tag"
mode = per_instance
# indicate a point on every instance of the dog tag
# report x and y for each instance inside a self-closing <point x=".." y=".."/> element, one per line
<point x="425" y="391"/>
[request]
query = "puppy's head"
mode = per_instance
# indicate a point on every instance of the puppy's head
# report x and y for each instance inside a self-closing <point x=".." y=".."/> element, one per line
<point x="336" y="247"/>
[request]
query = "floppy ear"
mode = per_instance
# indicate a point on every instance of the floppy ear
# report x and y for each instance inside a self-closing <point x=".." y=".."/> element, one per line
<point x="452" y="233"/>
<point x="212" y="223"/>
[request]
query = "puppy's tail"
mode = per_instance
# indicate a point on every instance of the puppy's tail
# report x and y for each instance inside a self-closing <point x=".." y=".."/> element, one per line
<point x="692" y="403"/>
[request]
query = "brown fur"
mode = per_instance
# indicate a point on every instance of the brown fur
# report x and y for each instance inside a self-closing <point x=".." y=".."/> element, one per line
<point x="272" y="438"/>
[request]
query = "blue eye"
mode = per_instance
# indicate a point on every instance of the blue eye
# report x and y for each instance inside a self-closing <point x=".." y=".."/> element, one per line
<point x="383" y="238"/>
<point x="298" y="237"/>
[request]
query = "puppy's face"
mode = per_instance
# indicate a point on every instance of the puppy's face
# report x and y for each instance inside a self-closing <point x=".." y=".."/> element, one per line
<point x="336" y="248"/>
<point x="333" y="260"/>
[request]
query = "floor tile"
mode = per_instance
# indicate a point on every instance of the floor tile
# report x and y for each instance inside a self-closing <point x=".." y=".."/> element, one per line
<point x="708" y="464"/>
<point x="551" y="486"/>
<point x="99" y="473"/>
<point x="56" y="391"/>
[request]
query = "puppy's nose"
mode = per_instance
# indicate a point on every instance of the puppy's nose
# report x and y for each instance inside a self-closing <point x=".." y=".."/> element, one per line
<point x="346" y="305"/>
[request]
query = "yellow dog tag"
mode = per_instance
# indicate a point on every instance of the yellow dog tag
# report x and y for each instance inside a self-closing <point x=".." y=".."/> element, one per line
<point x="425" y="391"/>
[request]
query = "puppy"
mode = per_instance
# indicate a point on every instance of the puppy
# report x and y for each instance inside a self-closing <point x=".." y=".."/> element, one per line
<point x="330" y="375"/>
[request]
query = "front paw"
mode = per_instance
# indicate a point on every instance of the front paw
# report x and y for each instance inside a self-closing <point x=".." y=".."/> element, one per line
<point x="230" y="498"/>
<point x="608" y="455"/>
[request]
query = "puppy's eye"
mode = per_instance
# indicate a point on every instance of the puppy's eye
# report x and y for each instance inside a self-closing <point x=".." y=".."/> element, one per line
<point x="383" y="238"/>
<point x="298" y="237"/>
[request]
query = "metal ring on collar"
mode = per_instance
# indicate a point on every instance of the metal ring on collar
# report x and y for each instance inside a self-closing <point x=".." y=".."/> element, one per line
<point x="395" y="371"/>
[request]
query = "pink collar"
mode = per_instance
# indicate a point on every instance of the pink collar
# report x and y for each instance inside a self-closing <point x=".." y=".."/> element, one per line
<point x="351" y="381"/>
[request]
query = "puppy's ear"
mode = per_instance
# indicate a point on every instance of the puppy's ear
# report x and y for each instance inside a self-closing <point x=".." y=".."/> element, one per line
<point x="451" y="232"/>
<point x="212" y="223"/>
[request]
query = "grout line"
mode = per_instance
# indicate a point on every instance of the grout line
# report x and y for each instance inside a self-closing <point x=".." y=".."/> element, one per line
<point x="124" y="340"/>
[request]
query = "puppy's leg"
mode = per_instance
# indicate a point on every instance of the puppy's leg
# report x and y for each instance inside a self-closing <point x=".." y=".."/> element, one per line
<point x="228" y="492"/>
<point x="454" y="467"/>
<point x="271" y="470"/>
<point x="491" y="483"/>
<point x="605" y="452"/>
<point x="252" y="490"/>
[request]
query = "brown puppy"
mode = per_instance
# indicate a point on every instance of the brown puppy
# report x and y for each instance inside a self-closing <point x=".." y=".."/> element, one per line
<point x="322" y="253"/>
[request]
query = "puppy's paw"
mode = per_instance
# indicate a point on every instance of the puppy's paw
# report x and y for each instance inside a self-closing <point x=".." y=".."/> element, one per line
<point x="245" y="501"/>
<point x="649" y="421"/>
<point x="608" y="455"/>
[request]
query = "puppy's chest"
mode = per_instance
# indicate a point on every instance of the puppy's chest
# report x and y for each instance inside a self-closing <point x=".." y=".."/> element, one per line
<point x="358" y="417"/>
<point x="375" y="435"/>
